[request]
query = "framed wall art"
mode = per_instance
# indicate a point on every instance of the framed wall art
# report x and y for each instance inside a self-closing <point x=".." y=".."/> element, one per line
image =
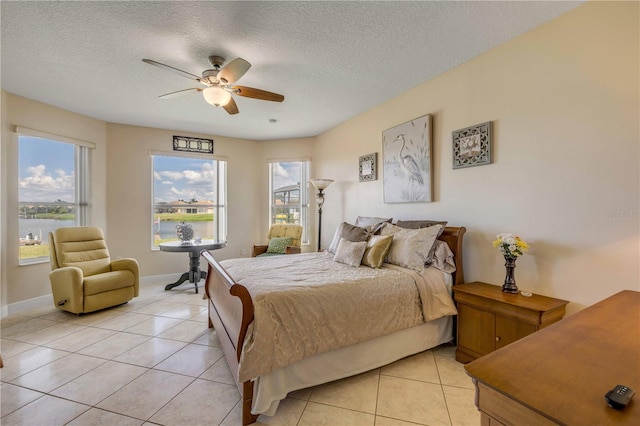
<point x="368" y="167"/>
<point x="406" y="153"/>
<point x="472" y="146"/>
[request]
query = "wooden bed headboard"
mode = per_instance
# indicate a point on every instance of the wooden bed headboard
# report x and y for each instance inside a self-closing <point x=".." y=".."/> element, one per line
<point x="453" y="236"/>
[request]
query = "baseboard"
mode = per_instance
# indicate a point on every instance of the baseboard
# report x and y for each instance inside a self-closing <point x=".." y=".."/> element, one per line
<point x="25" y="305"/>
<point x="47" y="299"/>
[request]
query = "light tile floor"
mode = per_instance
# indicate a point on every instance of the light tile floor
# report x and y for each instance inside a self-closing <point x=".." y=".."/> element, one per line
<point x="154" y="361"/>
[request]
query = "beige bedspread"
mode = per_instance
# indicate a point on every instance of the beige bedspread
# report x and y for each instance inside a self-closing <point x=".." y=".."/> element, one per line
<point x="307" y="304"/>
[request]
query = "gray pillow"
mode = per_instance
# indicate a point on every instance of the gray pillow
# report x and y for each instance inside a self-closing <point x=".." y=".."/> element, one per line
<point x="350" y="253"/>
<point x="350" y="233"/>
<point x="442" y="257"/>
<point x="417" y="224"/>
<point x="374" y="224"/>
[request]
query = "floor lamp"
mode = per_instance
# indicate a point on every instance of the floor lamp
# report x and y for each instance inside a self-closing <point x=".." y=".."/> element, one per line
<point x="320" y="185"/>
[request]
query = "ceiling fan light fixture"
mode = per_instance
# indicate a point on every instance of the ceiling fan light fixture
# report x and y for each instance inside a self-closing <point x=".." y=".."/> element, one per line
<point x="216" y="96"/>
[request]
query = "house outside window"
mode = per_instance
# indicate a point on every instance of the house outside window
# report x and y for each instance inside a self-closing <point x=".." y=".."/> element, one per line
<point x="53" y="191"/>
<point x="288" y="194"/>
<point x="188" y="188"/>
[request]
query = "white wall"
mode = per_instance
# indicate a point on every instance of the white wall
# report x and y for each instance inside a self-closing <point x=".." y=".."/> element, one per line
<point x="563" y="100"/>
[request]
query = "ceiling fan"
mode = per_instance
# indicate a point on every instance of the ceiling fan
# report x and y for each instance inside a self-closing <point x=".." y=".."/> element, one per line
<point x="218" y="83"/>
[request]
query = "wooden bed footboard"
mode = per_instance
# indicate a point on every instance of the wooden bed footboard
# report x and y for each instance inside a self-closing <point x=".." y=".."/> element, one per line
<point x="231" y="312"/>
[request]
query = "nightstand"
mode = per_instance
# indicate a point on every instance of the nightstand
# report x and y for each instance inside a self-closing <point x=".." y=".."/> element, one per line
<point x="489" y="319"/>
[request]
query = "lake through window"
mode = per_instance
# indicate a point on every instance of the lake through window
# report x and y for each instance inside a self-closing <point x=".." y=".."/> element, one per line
<point x="190" y="190"/>
<point x="53" y="191"/>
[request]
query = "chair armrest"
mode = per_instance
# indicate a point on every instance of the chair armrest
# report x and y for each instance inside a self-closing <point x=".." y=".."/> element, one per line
<point x="293" y="250"/>
<point x="259" y="250"/>
<point x="128" y="264"/>
<point x="67" y="288"/>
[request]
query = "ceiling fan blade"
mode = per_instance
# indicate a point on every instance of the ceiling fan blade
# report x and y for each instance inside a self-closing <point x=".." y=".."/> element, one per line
<point x="231" y="107"/>
<point x="179" y="93"/>
<point x="250" y="92"/>
<point x="232" y="72"/>
<point x="172" y="69"/>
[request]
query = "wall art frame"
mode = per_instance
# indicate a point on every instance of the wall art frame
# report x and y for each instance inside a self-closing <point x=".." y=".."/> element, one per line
<point x="188" y="144"/>
<point x="368" y="167"/>
<point x="471" y="146"/>
<point x="407" y="162"/>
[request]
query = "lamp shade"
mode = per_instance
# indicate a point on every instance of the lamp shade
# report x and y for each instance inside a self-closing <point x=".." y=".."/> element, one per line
<point x="216" y="96"/>
<point x="320" y="184"/>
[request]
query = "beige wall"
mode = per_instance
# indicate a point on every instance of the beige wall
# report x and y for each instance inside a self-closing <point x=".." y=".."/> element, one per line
<point x="129" y="195"/>
<point x="20" y="283"/>
<point x="300" y="149"/>
<point x="563" y="100"/>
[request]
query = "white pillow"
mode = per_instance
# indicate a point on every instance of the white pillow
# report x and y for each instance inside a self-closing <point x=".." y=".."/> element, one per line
<point x="410" y="247"/>
<point x="350" y="253"/>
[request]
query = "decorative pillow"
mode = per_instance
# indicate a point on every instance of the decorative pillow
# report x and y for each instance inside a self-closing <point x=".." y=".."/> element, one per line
<point x="410" y="247"/>
<point x="349" y="232"/>
<point x="350" y="253"/>
<point x="278" y="245"/>
<point x="442" y="257"/>
<point x="418" y="224"/>
<point x="374" y="224"/>
<point x="377" y="249"/>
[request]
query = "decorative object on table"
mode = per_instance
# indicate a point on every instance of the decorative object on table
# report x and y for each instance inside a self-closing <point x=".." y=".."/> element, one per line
<point x="406" y="152"/>
<point x="472" y="146"/>
<point x="185" y="143"/>
<point x="184" y="232"/>
<point x="511" y="246"/>
<point x="368" y="167"/>
<point x="320" y="185"/>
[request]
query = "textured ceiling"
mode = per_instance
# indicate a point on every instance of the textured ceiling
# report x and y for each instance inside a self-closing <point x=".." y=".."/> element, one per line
<point x="331" y="60"/>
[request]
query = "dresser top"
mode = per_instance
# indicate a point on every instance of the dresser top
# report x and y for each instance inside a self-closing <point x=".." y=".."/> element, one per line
<point x="493" y="292"/>
<point x="564" y="370"/>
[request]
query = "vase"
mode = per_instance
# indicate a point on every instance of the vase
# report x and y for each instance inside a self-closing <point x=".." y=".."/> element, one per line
<point x="509" y="285"/>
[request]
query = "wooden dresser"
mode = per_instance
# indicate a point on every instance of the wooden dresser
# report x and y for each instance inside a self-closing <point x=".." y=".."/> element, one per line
<point x="489" y="319"/>
<point x="560" y="375"/>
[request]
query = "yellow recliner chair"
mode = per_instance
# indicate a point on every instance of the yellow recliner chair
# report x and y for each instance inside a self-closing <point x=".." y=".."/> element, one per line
<point x="83" y="276"/>
<point x="276" y="232"/>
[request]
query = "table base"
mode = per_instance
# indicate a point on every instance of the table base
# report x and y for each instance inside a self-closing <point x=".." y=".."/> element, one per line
<point x="193" y="275"/>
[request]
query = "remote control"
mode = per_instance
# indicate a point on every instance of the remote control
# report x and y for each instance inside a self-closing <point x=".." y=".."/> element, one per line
<point x="619" y="397"/>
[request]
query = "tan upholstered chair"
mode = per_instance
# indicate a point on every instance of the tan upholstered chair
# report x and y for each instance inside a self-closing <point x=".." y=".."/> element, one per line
<point x="278" y="230"/>
<point x="83" y="276"/>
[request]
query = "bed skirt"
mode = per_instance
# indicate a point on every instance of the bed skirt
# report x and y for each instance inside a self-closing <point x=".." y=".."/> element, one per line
<point x="270" y="389"/>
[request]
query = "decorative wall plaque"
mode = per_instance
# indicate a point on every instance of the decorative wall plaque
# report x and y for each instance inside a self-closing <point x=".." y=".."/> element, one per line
<point x="368" y="167"/>
<point x="472" y="146"/>
<point x="184" y="143"/>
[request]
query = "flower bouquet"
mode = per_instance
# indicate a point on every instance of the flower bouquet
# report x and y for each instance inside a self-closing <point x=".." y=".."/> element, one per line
<point x="511" y="247"/>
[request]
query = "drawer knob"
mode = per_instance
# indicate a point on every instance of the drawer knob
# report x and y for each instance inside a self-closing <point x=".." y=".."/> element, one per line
<point x="497" y="338"/>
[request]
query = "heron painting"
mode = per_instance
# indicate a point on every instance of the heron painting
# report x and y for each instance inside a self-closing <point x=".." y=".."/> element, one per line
<point x="406" y="151"/>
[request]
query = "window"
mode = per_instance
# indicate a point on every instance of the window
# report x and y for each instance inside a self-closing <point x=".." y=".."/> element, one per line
<point x="53" y="191"/>
<point x="188" y="189"/>
<point x="288" y="194"/>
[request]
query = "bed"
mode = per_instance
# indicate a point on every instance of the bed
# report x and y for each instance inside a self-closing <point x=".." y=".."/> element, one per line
<point x="242" y="301"/>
